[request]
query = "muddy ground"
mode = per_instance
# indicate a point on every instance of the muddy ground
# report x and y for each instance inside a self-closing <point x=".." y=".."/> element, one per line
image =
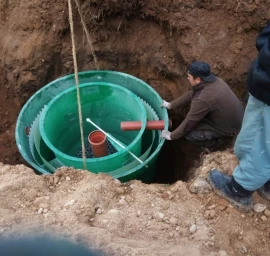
<point x="155" y="41"/>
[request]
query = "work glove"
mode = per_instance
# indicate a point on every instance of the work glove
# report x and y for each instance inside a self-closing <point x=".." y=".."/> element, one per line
<point x="166" y="135"/>
<point x="165" y="104"/>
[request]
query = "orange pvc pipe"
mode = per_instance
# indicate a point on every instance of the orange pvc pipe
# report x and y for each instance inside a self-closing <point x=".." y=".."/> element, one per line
<point x="136" y="125"/>
<point x="98" y="142"/>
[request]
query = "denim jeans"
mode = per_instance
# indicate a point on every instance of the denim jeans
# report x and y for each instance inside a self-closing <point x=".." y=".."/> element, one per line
<point x="252" y="146"/>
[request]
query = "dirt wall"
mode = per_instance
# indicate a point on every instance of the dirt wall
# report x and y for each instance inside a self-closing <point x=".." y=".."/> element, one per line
<point x="153" y="40"/>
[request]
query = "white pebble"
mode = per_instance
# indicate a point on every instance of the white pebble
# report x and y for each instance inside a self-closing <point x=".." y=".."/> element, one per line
<point x="122" y="202"/>
<point x="159" y="216"/>
<point x="243" y="249"/>
<point x="193" y="228"/>
<point x="69" y="203"/>
<point x="113" y="211"/>
<point x="205" y="169"/>
<point x="40" y="211"/>
<point x="222" y="253"/>
<point x="67" y="178"/>
<point x="200" y="186"/>
<point x="259" y="207"/>
<point x="117" y="182"/>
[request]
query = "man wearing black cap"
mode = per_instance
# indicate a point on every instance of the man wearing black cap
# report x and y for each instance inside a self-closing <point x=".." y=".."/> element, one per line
<point x="215" y="111"/>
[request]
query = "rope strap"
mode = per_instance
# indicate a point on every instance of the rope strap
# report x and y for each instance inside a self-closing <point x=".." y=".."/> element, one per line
<point x="87" y="35"/>
<point x="76" y="80"/>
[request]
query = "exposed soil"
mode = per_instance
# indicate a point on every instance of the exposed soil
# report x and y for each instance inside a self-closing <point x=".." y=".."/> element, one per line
<point x="131" y="218"/>
<point x="155" y="41"/>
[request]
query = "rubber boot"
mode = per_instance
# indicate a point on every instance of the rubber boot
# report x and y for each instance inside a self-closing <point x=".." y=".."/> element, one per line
<point x="228" y="188"/>
<point x="264" y="191"/>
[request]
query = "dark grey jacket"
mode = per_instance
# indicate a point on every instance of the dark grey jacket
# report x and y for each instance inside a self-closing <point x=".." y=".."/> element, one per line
<point x="213" y="106"/>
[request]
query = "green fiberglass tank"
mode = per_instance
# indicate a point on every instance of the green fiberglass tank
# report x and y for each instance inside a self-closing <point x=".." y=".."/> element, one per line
<point x="108" y="98"/>
<point x="107" y="105"/>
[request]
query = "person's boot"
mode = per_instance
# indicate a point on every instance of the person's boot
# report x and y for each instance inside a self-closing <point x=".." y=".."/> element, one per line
<point x="264" y="191"/>
<point x="228" y="188"/>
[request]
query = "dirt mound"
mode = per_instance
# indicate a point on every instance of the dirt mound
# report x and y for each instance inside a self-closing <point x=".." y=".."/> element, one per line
<point x="131" y="218"/>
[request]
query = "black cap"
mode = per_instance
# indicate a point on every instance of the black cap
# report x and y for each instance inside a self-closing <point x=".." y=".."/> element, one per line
<point x="202" y="70"/>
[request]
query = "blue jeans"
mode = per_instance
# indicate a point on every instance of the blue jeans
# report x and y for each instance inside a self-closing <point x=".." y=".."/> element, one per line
<point x="252" y="146"/>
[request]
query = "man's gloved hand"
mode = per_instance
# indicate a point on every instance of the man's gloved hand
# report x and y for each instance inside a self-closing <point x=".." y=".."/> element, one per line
<point x="166" y="135"/>
<point x="165" y="104"/>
